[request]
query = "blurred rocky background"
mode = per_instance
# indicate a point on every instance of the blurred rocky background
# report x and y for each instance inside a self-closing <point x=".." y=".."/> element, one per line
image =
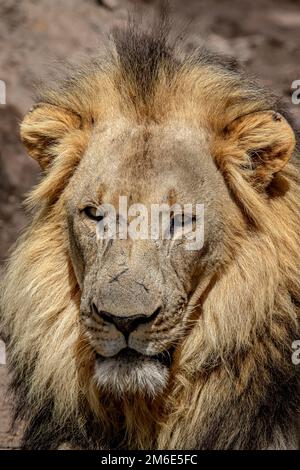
<point x="35" y="35"/>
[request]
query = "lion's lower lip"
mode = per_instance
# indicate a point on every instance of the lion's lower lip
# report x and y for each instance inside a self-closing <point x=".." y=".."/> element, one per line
<point x="130" y="355"/>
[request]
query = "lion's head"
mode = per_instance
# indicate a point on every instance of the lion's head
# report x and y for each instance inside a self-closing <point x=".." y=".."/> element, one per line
<point x="115" y="337"/>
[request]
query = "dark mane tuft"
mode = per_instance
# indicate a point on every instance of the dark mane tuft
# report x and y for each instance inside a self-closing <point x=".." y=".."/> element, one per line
<point x="142" y="54"/>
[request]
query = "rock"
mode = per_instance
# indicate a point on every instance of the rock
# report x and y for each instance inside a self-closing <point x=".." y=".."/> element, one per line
<point x="110" y="4"/>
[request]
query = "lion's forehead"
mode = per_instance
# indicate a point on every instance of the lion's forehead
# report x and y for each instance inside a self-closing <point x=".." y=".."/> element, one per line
<point x="124" y="156"/>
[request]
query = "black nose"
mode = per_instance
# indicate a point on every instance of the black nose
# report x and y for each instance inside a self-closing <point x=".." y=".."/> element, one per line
<point x="126" y="324"/>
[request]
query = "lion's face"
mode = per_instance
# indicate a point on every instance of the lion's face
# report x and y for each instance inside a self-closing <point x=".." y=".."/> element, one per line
<point x="137" y="294"/>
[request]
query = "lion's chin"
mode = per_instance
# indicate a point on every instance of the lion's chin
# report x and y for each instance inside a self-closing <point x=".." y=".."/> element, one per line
<point x="131" y="373"/>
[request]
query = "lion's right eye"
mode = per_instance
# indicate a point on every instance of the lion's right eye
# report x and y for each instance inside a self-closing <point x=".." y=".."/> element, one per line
<point x="93" y="213"/>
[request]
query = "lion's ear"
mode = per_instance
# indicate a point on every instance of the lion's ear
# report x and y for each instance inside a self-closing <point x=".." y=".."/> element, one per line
<point x="261" y="143"/>
<point x="44" y="127"/>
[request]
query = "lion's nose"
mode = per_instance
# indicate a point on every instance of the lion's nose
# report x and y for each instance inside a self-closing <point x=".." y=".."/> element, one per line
<point x="128" y="323"/>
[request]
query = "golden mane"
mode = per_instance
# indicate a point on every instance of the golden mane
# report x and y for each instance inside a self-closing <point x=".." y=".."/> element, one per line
<point x="225" y="352"/>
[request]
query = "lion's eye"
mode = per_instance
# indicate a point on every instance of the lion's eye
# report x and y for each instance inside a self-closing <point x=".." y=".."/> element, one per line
<point x="181" y="221"/>
<point x="190" y="220"/>
<point x="176" y="222"/>
<point x="93" y="213"/>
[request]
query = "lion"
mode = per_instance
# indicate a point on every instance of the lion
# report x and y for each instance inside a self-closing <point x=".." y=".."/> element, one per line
<point x="143" y="344"/>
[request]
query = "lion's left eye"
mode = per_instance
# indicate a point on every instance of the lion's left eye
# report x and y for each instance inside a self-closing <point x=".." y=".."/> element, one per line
<point x="92" y="213"/>
<point x="181" y="221"/>
<point x="176" y="221"/>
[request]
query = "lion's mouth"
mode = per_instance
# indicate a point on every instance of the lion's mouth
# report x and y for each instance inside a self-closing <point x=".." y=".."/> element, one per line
<point x="129" y="356"/>
<point x="130" y="372"/>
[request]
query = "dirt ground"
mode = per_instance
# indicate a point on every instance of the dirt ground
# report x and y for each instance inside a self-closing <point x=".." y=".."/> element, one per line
<point x="35" y="35"/>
